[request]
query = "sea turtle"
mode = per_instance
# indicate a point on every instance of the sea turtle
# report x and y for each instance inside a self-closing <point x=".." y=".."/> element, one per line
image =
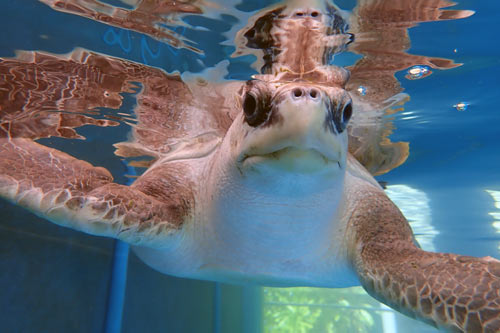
<point x="250" y="182"/>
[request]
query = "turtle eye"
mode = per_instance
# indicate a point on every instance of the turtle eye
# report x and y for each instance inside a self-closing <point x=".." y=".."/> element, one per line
<point x="346" y="114"/>
<point x="255" y="110"/>
<point x="343" y="117"/>
<point x="339" y="117"/>
<point x="249" y="106"/>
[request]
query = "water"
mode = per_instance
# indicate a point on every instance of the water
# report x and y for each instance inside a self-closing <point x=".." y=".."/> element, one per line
<point x="56" y="279"/>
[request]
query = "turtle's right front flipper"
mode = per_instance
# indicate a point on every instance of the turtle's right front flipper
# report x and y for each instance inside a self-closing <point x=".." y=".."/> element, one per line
<point x="75" y="194"/>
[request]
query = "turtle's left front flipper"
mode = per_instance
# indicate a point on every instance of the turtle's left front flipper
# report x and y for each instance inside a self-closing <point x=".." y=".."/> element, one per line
<point x="75" y="194"/>
<point x="453" y="292"/>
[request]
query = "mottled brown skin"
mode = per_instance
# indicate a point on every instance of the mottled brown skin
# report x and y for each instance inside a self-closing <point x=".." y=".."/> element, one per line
<point x="453" y="292"/>
<point x="74" y="87"/>
<point x="75" y="194"/>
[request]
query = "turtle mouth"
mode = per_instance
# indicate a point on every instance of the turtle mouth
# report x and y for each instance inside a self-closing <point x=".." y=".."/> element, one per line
<point x="290" y="158"/>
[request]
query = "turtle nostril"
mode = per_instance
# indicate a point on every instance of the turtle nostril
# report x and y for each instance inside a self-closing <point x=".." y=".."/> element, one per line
<point x="313" y="93"/>
<point x="297" y="92"/>
<point x="314" y="14"/>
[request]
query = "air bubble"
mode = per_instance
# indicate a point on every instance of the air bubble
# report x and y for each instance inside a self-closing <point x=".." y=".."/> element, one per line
<point x="362" y="90"/>
<point x="417" y="72"/>
<point x="462" y="106"/>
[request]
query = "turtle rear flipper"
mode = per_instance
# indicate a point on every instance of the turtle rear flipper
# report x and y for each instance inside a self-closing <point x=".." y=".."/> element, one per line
<point x="454" y="292"/>
<point x="75" y="194"/>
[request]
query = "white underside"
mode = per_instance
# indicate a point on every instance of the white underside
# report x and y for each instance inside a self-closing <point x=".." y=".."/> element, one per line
<point x="257" y="238"/>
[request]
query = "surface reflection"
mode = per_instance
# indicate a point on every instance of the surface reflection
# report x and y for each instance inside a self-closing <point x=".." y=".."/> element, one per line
<point x="415" y="205"/>
<point x="495" y="214"/>
<point x="376" y="30"/>
<point x="381" y="37"/>
<point x="44" y="95"/>
<point x="36" y="83"/>
<point x="156" y="19"/>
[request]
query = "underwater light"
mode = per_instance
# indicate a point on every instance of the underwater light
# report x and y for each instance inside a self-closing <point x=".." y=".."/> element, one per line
<point x="415" y="207"/>
<point x="495" y="214"/>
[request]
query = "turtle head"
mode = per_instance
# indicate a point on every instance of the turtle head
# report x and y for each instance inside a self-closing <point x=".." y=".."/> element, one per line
<point x="295" y="129"/>
<point x="278" y="176"/>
